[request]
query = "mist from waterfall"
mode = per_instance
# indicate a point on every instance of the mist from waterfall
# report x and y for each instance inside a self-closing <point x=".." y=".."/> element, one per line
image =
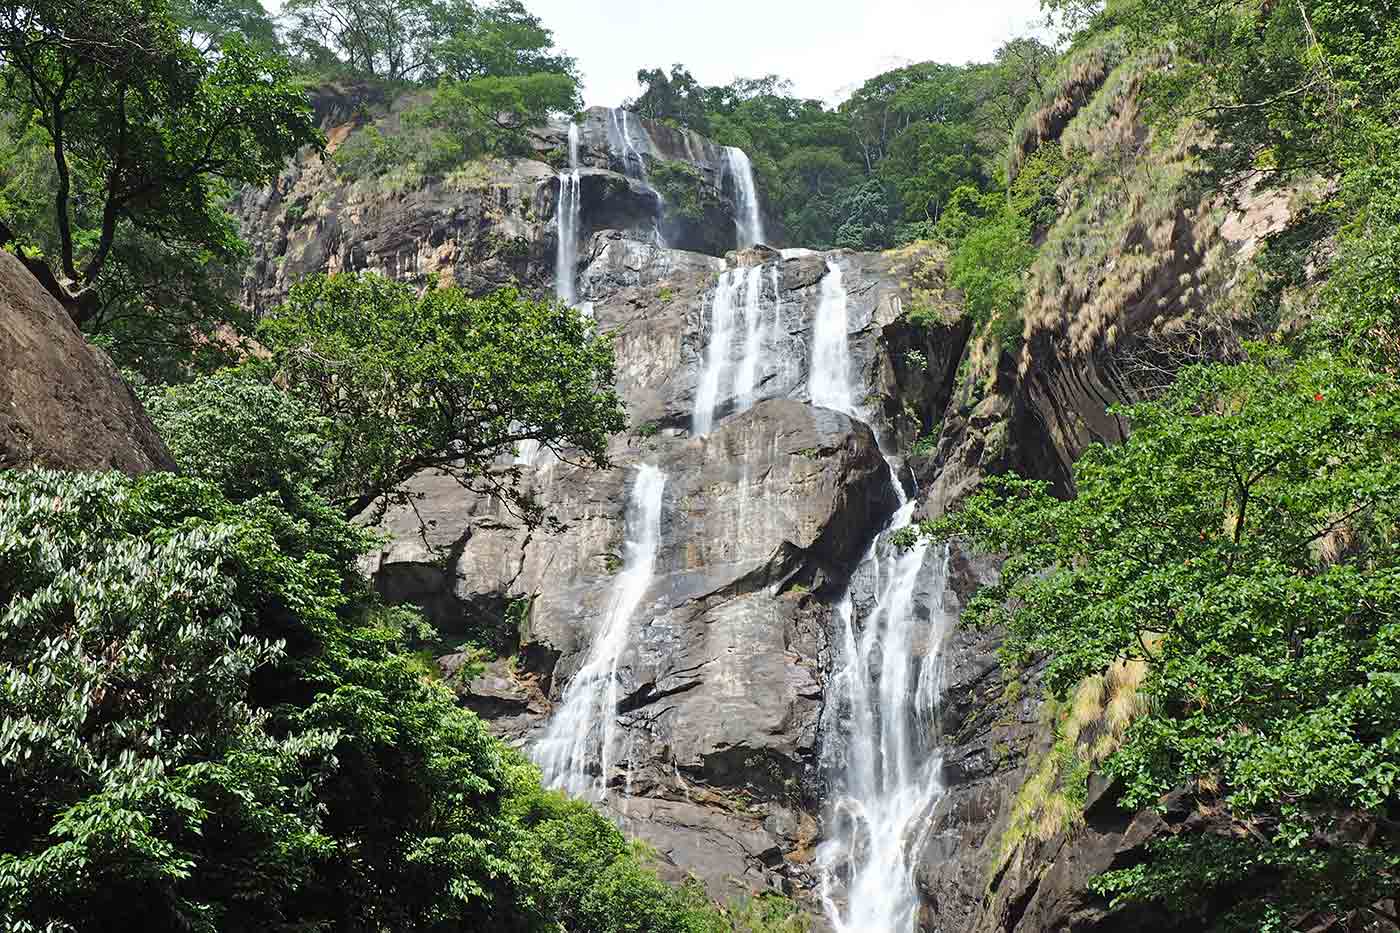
<point x="732" y="358"/>
<point x="829" y="383"/>
<point x="567" y="216"/>
<point x="576" y="752"/>
<point x="748" y="217"/>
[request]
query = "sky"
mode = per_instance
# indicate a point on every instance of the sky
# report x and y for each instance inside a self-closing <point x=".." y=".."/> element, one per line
<point x="826" y="47"/>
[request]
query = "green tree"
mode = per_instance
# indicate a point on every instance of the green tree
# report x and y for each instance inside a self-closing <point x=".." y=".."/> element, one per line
<point x="866" y="215"/>
<point x="676" y="97"/>
<point x="502" y="40"/>
<point x="208" y="24"/>
<point x="466" y="119"/>
<point x="928" y="161"/>
<point x="1241" y="544"/>
<point x="441" y="381"/>
<point x="145" y="134"/>
<point x="379" y="38"/>
<point x="1017" y="75"/>
<point x="209" y="723"/>
<point x="989" y="265"/>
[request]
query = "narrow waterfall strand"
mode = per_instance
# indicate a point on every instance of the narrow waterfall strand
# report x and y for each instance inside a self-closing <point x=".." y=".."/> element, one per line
<point x="746" y="375"/>
<point x="717" y="352"/>
<point x="567" y="218"/>
<point x="830" y="380"/>
<point x="583" y="731"/>
<point x="748" y="215"/>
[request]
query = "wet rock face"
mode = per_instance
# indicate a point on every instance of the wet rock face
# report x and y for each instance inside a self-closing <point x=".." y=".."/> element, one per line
<point x="63" y="405"/>
<point x="764" y="518"/>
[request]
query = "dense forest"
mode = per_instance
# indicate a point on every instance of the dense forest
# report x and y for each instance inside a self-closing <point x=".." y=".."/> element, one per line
<point x="211" y="720"/>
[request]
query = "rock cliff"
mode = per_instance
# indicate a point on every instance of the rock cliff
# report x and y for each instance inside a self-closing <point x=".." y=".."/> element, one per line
<point x="729" y="745"/>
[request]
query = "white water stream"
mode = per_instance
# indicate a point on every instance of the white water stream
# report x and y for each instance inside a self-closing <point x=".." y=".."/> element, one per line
<point x="634" y="166"/>
<point x="881" y="735"/>
<point x="748" y="217"/>
<point x="880" y="718"/>
<point x="576" y="751"/>
<point x="732" y="358"/>
<point x="567" y="216"/>
<point x="829" y="382"/>
<point x="879" y="723"/>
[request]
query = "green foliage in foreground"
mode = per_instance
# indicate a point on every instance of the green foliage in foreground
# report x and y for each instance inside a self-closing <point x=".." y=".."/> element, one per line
<point x="1241" y="542"/>
<point x="207" y="723"/>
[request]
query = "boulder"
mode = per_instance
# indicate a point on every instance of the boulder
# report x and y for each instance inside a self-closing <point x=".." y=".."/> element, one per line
<point x="63" y="404"/>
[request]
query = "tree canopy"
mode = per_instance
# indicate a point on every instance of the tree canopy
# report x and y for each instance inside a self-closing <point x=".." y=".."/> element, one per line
<point x="423" y="40"/>
<point x="143" y="133"/>
<point x="879" y="169"/>
<point x="379" y="383"/>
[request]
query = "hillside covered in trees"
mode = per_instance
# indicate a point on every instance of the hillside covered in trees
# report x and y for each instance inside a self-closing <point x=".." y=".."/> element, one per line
<point x="427" y="505"/>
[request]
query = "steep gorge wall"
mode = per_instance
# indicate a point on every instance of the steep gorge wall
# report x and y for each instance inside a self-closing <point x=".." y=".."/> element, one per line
<point x="1142" y="272"/>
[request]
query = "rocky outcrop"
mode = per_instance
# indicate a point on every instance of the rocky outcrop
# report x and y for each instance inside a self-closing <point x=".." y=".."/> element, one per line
<point x="726" y="676"/>
<point x="1137" y="277"/>
<point x="62" y="402"/>
<point x="764" y="520"/>
<point x="1133" y="281"/>
<point x="483" y="224"/>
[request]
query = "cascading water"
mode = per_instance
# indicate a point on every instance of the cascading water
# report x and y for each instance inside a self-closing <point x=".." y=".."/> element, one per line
<point x="880" y="718"/>
<point x="576" y="752"/>
<point x="567" y="216"/>
<point x="633" y="164"/>
<point x="881" y="735"/>
<point x="829" y="383"/>
<point x="748" y="218"/>
<point x="738" y="299"/>
<point x="746" y="376"/>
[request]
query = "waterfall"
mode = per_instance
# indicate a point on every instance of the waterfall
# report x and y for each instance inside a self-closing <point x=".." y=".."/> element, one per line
<point x="746" y="376"/>
<point x="582" y="733"/>
<point x="738" y="299"/>
<point x="567" y="216"/>
<point x="830" y="380"/>
<point x="748" y="219"/>
<point x="879" y="723"/>
<point x="882" y="733"/>
<point x="716" y="352"/>
<point x="633" y="164"/>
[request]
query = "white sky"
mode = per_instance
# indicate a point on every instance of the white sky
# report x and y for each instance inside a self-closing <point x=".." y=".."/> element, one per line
<point x="826" y="47"/>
